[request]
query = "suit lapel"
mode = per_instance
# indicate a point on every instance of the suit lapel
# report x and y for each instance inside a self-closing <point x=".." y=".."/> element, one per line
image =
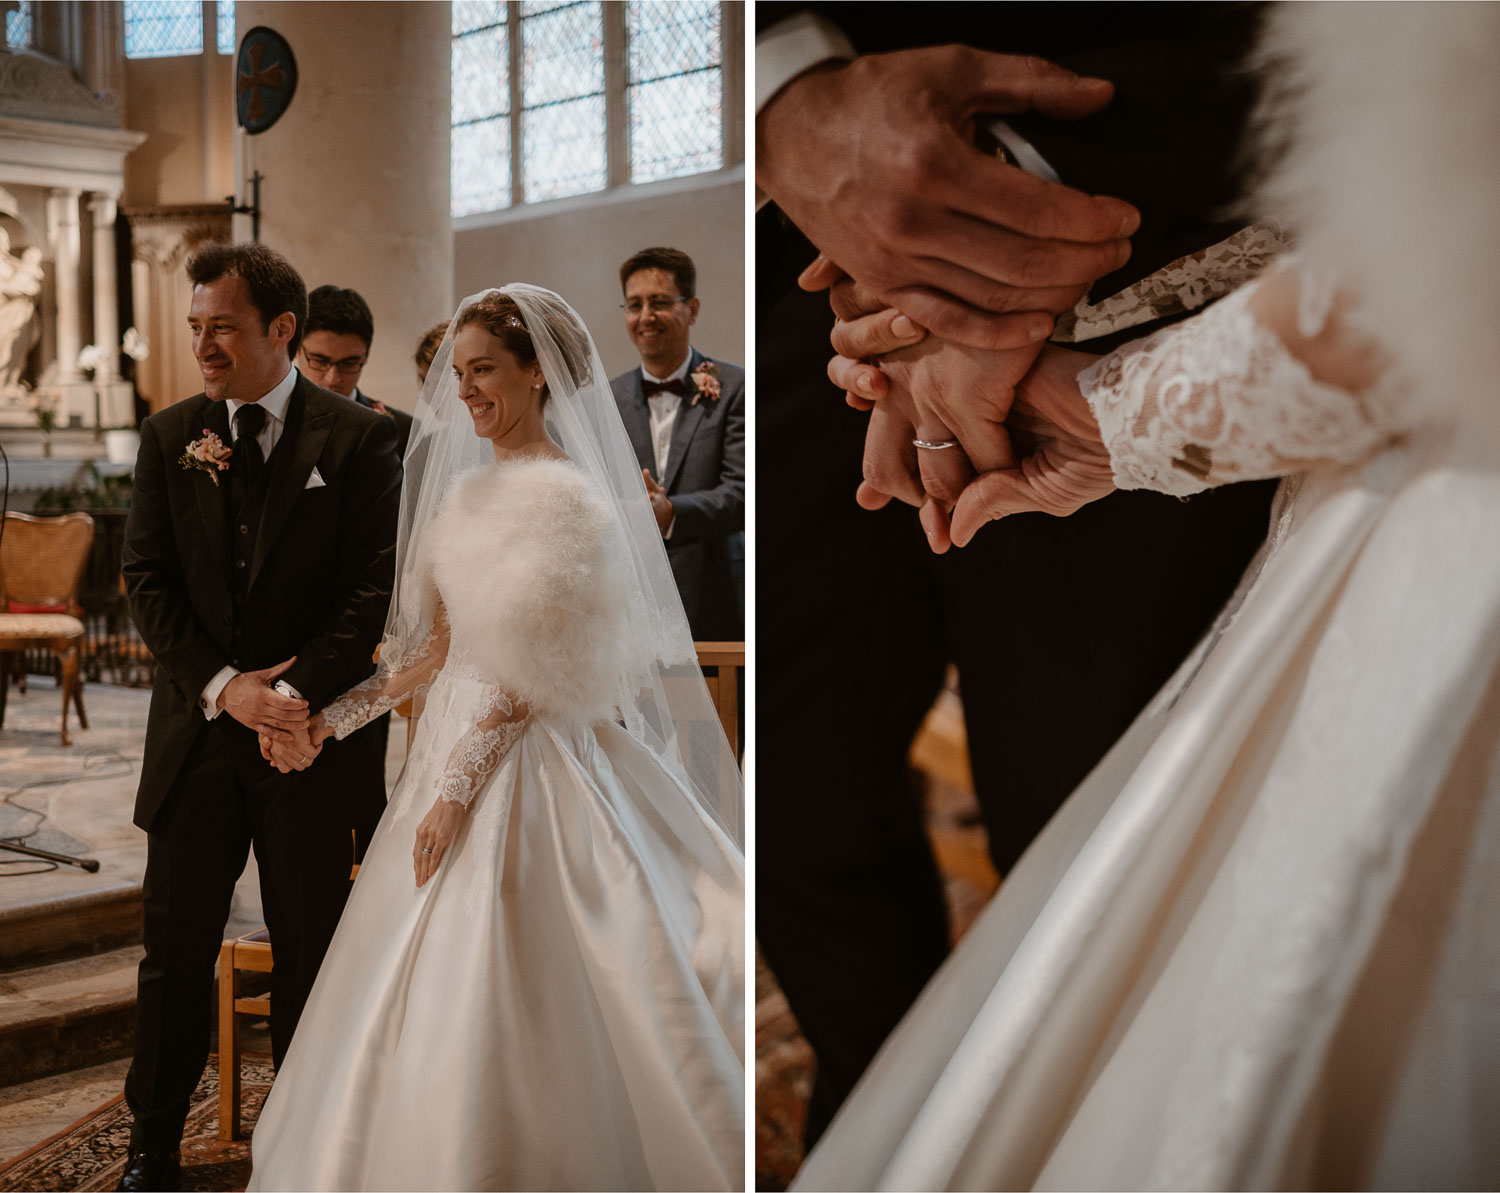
<point x="211" y="497"/>
<point x="291" y="464"/>
<point x="637" y="419"/>
<point x="686" y="423"/>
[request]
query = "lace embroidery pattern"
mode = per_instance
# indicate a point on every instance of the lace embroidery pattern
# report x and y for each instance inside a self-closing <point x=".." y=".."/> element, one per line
<point x="1220" y="399"/>
<point x="480" y="751"/>
<point x="1182" y="285"/>
<point x="377" y="695"/>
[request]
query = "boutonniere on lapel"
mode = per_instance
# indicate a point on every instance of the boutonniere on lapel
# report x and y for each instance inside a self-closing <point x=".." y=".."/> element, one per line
<point x="379" y="408"/>
<point x="208" y="454"/>
<point x="706" y="383"/>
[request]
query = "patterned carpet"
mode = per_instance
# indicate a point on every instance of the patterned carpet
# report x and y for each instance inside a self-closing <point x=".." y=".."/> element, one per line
<point x="91" y="1153"/>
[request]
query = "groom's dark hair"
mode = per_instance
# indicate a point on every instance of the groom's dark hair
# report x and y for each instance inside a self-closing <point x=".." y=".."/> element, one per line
<point x="275" y="287"/>
<point x="674" y="261"/>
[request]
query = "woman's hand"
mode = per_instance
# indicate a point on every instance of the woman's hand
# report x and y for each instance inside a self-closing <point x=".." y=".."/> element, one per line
<point x="434" y="835"/>
<point x="318" y="730"/>
<point x="1063" y="463"/>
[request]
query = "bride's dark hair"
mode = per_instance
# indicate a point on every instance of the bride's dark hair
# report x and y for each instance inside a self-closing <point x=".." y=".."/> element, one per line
<point x="499" y="315"/>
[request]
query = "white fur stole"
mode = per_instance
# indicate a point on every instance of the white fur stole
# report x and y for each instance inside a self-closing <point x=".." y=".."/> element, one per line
<point x="534" y="575"/>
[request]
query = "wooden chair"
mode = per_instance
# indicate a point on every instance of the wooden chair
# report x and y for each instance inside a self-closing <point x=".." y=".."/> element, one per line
<point x="723" y="687"/>
<point x="250" y="953"/>
<point x="41" y="566"/>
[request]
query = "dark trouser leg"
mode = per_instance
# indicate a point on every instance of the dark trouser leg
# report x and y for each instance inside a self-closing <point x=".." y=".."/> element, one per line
<point x="192" y="863"/>
<point x="301" y="824"/>
<point x="850" y="909"/>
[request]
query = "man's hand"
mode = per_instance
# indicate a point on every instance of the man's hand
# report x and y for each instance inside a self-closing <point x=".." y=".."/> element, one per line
<point x="874" y="160"/>
<point x="250" y="700"/>
<point x="287" y="756"/>
<point x="661" y="504"/>
<point x="1063" y="465"/>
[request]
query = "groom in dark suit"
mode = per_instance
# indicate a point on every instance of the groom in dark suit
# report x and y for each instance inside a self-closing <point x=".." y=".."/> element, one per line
<point x="259" y="559"/>
<point x="685" y="415"/>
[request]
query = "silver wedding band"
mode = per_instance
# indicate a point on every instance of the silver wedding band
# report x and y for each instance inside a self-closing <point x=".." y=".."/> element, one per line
<point x="426" y="851"/>
<point x="934" y="445"/>
<point x="303" y="758"/>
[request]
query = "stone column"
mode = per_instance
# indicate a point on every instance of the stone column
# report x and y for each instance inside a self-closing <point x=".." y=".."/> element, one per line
<point x="356" y="172"/>
<point x="62" y="229"/>
<point x="106" y="293"/>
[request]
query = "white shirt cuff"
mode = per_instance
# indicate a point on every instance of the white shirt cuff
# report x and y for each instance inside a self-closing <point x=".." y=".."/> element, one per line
<point x="208" y="700"/>
<point x="790" y="48"/>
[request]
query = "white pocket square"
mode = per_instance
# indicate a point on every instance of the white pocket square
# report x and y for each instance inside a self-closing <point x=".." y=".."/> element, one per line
<point x="315" y="481"/>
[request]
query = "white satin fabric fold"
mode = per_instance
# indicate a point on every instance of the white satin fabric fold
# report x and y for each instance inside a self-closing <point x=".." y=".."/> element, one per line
<point x="561" y="1007"/>
<point x="1257" y="948"/>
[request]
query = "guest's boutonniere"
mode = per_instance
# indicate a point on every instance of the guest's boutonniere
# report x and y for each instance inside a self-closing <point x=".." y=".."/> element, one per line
<point x="379" y="408"/>
<point x="208" y="454"/>
<point x="706" y="382"/>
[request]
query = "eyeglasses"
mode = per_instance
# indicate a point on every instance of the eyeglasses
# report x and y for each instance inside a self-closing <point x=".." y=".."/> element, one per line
<point x="348" y="367"/>
<point x="659" y="306"/>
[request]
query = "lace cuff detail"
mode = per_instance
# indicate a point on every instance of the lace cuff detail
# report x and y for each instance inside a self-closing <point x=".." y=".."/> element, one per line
<point x="1219" y="399"/>
<point x="398" y="678"/>
<point x="480" y="751"/>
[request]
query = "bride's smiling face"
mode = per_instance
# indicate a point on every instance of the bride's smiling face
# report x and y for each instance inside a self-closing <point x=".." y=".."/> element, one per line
<point x="499" y="391"/>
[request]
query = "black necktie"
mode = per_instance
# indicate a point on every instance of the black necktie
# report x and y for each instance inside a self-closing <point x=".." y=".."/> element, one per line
<point x="249" y="420"/>
<point x="652" y="388"/>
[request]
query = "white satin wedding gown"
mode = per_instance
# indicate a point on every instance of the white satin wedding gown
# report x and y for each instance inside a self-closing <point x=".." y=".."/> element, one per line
<point x="561" y="1006"/>
<point x="1259" y="947"/>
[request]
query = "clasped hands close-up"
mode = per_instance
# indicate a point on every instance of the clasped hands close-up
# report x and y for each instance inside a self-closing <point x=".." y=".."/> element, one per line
<point x="947" y="294"/>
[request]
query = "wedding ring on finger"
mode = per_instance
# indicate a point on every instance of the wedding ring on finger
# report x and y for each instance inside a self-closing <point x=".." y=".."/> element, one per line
<point x="934" y="445"/>
<point x="426" y="851"/>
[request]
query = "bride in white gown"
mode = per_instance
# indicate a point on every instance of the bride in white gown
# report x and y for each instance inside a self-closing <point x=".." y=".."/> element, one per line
<point x="538" y="982"/>
<point x="1260" y="946"/>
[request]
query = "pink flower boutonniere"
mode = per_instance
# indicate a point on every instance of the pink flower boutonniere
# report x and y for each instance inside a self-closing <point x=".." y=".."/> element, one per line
<point x="208" y="454"/>
<point x="706" y="382"/>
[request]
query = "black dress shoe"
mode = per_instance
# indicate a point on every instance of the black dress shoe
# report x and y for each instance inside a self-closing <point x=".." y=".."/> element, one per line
<point x="158" y="1172"/>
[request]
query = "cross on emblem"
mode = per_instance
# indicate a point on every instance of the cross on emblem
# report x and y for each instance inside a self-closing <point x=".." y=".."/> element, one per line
<point x="273" y="77"/>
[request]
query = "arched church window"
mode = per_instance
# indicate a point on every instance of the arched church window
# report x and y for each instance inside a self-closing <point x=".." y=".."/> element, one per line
<point x="553" y="98"/>
<point x="18" y="26"/>
<point x="163" y="28"/>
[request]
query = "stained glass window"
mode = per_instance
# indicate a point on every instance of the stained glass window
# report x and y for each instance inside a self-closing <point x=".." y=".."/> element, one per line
<point x="163" y="28"/>
<point x="481" y="106"/>
<point x="225" y="18"/>
<point x="663" y="105"/>
<point x="562" y="99"/>
<point x="676" y="88"/>
<point x="18" y="26"/>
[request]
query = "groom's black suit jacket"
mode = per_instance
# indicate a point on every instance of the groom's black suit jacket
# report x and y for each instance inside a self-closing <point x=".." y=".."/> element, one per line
<point x="1061" y="628"/>
<point x="316" y="582"/>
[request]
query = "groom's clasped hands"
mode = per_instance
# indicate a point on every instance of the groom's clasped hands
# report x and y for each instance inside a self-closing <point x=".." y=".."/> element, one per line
<point x="289" y="738"/>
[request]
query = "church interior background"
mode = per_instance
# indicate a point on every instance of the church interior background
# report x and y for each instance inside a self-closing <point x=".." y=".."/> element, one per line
<point x="429" y="150"/>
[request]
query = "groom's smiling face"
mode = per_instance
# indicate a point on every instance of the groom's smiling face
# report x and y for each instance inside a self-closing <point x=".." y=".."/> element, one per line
<point x="240" y="355"/>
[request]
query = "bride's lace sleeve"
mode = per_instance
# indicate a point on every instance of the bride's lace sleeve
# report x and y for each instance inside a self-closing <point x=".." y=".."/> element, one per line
<point x="399" y="677"/>
<point x="479" y="751"/>
<point x="1222" y="397"/>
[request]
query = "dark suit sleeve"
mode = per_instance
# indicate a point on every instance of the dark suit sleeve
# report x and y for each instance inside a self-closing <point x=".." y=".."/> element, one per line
<point x="339" y="653"/>
<point x="154" y="580"/>
<point x="718" y="512"/>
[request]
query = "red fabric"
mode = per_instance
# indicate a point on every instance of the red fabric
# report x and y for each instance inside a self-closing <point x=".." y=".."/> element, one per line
<point x="18" y="607"/>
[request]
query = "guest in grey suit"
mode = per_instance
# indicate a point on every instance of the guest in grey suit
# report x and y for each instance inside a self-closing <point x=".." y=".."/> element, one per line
<point x="685" y="414"/>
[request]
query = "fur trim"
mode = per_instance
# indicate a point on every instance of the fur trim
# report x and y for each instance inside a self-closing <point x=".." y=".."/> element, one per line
<point x="534" y="575"/>
<point x="1382" y="122"/>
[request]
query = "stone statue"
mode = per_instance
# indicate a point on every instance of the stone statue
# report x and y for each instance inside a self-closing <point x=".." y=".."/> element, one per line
<point x="20" y="283"/>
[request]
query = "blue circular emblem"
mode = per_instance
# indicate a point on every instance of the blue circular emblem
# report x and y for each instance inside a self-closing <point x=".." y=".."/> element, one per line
<point x="265" y="78"/>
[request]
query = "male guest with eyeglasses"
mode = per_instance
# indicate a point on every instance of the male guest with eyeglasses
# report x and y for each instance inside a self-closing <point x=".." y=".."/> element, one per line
<point x="336" y="346"/>
<point x="685" y="414"/>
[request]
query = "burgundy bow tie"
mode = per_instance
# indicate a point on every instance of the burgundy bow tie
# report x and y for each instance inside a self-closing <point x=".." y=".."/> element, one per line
<point x="652" y="388"/>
